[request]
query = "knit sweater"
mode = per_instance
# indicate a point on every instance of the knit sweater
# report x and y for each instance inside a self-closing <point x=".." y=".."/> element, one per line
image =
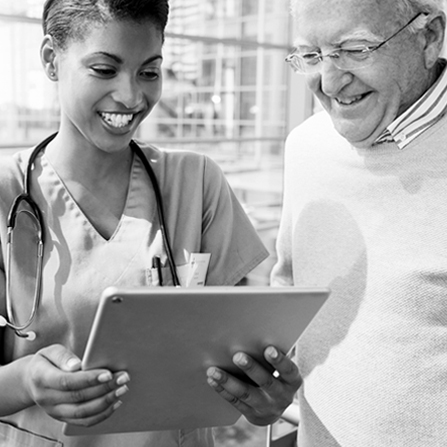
<point x="370" y="224"/>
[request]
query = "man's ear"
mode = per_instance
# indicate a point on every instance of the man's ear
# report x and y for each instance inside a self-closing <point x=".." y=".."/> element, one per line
<point x="48" y="57"/>
<point x="434" y="32"/>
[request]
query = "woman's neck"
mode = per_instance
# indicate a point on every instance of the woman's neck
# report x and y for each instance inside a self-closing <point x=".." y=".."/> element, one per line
<point x="88" y="165"/>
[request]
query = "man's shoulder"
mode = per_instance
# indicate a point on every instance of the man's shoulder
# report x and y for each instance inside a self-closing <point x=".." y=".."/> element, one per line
<point x="316" y="126"/>
<point x="316" y="135"/>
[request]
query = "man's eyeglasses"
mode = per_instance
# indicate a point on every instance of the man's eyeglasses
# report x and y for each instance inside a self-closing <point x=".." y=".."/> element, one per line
<point x="347" y="58"/>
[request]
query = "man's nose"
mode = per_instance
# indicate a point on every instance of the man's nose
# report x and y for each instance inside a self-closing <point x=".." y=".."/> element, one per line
<point x="128" y="92"/>
<point x="333" y="79"/>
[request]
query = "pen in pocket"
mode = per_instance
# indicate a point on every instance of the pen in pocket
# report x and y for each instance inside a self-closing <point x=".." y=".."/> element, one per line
<point x="156" y="264"/>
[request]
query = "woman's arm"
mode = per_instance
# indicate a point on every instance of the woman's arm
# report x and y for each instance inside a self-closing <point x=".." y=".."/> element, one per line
<point x="52" y="379"/>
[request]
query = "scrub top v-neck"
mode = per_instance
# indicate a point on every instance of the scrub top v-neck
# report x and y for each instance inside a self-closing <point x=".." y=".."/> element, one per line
<point x="202" y="214"/>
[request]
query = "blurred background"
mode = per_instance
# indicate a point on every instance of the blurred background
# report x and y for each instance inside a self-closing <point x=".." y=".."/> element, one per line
<point x="227" y="93"/>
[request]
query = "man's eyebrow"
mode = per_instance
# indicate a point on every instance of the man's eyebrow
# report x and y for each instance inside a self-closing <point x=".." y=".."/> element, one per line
<point x="118" y="60"/>
<point x="360" y="34"/>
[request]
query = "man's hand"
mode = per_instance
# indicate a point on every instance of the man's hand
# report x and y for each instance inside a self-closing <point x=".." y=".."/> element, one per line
<point x="262" y="404"/>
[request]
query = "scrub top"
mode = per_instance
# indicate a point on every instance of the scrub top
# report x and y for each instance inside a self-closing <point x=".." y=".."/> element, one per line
<point x="202" y="216"/>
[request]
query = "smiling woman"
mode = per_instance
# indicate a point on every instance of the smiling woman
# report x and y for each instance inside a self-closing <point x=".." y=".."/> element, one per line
<point x="108" y="83"/>
<point x="225" y="93"/>
<point x="108" y="207"/>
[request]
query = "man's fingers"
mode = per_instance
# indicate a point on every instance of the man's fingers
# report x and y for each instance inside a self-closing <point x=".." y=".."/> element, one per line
<point x="286" y="369"/>
<point x="262" y="377"/>
<point x="236" y="397"/>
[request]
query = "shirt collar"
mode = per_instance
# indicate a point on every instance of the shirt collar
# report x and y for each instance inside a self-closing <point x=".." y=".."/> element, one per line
<point x="425" y="112"/>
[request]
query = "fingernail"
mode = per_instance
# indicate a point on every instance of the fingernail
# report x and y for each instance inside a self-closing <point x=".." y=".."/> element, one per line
<point x="117" y="404"/>
<point x="211" y="382"/>
<point x="105" y="377"/>
<point x="241" y="359"/>
<point x="272" y="352"/>
<point x="73" y="363"/>
<point x="124" y="378"/>
<point x="122" y="390"/>
<point x="215" y="374"/>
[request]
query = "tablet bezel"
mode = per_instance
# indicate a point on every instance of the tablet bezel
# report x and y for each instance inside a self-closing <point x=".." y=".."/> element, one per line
<point x="191" y="330"/>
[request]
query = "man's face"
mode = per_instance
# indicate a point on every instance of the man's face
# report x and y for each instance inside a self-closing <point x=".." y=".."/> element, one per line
<point x="362" y="102"/>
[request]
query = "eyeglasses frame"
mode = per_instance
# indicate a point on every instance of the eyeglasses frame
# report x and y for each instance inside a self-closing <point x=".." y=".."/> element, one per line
<point x="336" y="53"/>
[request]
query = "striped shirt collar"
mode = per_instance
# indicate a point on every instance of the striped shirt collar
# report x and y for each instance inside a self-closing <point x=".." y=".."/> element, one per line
<point x="425" y="112"/>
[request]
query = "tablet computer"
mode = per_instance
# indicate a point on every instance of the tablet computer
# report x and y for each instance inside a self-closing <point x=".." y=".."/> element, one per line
<point x="166" y="338"/>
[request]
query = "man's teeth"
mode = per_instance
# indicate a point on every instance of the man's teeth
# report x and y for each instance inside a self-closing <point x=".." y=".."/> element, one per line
<point x="117" y="119"/>
<point x="347" y="102"/>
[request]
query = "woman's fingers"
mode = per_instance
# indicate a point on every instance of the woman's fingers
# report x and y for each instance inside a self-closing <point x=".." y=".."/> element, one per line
<point x="70" y="394"/>
<point x="90" y="412"/>
<point x="61" y="357"/>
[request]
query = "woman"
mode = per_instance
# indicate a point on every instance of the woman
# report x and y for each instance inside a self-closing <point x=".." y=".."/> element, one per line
<point x="101" y="228"/>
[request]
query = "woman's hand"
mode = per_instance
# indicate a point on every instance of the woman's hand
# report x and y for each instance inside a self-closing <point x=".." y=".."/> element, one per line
<point x="262" y="404"/>
<point x="55" y="382"/>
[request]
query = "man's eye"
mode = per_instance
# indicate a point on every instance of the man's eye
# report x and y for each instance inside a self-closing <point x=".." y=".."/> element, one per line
<point x="358" y="53"/>
<point x="310" y="58"/>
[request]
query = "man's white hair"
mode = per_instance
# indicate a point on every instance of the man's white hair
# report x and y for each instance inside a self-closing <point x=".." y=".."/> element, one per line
<point x="409" y="8"/>
<point x="406" y="8"/>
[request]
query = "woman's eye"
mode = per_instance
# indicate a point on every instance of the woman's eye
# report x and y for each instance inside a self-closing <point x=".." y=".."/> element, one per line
<point x="104" y="71"/>
<point x="150" y="75"/>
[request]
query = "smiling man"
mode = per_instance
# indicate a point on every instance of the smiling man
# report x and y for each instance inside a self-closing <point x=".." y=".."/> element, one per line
<point x="365" y="214"/>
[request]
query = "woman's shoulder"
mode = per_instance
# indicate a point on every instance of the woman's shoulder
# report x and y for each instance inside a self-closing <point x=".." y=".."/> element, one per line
<point x="12" y="166"/>
<point x="162" y="153"/>
<point x="181" y="160"/>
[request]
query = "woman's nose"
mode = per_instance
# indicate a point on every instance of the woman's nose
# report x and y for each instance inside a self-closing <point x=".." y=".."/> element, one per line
<point x="128" y="92"/>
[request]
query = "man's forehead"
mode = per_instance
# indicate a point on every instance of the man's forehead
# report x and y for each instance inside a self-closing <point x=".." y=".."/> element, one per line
<point x="339" y="20"/>
<point x="367" y="9"/>
<point x="339" y="5"/>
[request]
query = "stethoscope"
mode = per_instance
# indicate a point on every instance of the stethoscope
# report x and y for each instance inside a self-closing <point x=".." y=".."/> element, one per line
<point x="35" y="213"/>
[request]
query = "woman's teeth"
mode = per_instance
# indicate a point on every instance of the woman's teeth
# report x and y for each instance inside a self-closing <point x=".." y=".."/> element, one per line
<point x="117" y="119"/>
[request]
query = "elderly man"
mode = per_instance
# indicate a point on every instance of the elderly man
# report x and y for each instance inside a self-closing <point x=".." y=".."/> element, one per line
<point x="365" y="213"/>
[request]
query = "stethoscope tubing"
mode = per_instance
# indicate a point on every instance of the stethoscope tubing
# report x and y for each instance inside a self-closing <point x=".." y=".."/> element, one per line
<point x="36" y="212"/>
<point x="164" y="231"/>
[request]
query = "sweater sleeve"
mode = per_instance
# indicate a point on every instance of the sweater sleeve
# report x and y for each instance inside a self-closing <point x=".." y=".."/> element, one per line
<point x="282" y="272"/>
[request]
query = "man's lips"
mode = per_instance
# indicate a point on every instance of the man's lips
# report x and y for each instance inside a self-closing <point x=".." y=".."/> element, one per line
<point x="347" y="101"/>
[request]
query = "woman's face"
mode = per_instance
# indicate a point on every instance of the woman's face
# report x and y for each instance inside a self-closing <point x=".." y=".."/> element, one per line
<point x="109" y="82"/>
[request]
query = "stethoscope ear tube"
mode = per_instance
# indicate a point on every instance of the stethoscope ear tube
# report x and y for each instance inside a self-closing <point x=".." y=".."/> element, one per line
<point x="29" y="335"/>
<point x="35" y="212"/>
<point x="13" y="213"/>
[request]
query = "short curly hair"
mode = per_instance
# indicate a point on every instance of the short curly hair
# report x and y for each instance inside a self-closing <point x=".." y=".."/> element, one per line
<point x="67" y="20"/>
